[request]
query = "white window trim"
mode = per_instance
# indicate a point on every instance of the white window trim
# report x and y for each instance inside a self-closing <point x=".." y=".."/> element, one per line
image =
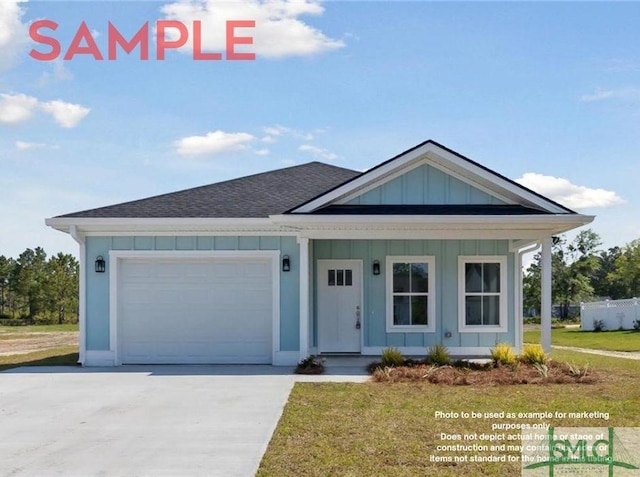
<point x="431" y="262"/>
<point x="462" y="326"/>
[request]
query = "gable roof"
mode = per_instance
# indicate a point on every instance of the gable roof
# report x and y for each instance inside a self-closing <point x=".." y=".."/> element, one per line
<point x="255" y="196"/>
<point x="441" y="157"/>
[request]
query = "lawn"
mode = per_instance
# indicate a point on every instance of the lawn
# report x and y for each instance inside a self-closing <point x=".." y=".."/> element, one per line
<point x="37" y="328"/>
<point x="63" y="356"/>
<point x="390" y="429"/>
<point x="605" y="340"/>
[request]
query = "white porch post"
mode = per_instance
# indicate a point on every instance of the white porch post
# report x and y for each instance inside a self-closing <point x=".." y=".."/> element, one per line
<point x="304" y="296"/>
<point x="545" y="292"/>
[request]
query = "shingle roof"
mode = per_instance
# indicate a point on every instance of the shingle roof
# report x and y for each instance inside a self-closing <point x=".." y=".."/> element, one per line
<point x="255" y="196"/>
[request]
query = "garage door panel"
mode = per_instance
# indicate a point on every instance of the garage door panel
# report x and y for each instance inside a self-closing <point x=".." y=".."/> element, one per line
<point x="195" y="312"/>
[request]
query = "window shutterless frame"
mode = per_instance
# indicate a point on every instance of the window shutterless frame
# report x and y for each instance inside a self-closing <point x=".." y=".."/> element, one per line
<point x="482" y="294"/>
<point x="412" y="295"/>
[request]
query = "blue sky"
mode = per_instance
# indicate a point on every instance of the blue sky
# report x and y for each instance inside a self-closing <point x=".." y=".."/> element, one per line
<point x="544" y="93"/>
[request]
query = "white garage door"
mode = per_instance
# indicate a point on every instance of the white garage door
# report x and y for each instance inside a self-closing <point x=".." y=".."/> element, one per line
<point x="195" y="311"/>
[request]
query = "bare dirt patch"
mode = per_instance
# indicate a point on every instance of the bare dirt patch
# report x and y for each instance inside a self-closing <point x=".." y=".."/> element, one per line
<point x="24" y="343"/>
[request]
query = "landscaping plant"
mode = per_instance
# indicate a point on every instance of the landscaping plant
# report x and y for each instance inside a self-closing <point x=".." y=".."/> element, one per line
<point x="533" y="354"/>
<point x="392" y="357"/>
<point x="439" y="355"/>
<point x="503" y="354"/>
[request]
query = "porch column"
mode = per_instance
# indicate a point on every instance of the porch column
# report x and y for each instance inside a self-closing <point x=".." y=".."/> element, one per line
<point x="545" y="292"/>
<point x="304" y="296"/>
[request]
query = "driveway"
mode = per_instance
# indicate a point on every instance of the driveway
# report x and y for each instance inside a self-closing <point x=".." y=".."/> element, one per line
<point x="139" y="421"/>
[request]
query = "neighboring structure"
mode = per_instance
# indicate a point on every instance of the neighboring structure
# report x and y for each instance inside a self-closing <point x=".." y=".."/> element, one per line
<point x="612" y="314"/>
<point x="424" y="248"/>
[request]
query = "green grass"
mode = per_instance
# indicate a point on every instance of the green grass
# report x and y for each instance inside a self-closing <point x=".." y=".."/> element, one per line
<point x="63" y="356"/>
<point x="390" y="429"/>
<point x="38" y="328"/>
<point x="604" y="340"/>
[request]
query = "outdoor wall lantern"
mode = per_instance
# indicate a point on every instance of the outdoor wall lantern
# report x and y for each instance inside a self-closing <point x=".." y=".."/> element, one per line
<point x="100" y="264"/>
<point x="286" y="264"/>
<point x="376" y="267"/>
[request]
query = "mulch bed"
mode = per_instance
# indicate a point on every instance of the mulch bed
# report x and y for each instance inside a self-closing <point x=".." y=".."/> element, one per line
<point x="486" y="375"/>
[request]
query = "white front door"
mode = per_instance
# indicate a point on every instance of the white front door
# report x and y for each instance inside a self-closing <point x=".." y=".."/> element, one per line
<point x="339" y="306"/>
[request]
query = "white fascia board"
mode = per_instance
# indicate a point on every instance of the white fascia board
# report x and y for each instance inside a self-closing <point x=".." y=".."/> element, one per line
<point x="527" y="229"/>
<point x="142" y="226"/>
<point x="462" y="221"/>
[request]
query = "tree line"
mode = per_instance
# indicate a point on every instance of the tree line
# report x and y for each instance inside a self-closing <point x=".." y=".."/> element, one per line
<point x="582" y="271"/>
<point x="35" y="288"/>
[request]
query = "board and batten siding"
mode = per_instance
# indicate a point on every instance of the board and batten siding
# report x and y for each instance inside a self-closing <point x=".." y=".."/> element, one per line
<point x="446" y="253"/>
<point x="97" y="284"/>
<point x="425" y="185"/>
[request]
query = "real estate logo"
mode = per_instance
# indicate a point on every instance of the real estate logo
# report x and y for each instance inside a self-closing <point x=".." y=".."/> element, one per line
<point x="581" y="451"/>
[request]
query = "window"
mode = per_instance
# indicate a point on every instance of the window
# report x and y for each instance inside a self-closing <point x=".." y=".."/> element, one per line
<point x="410" y="294"/>
<point x="340" y="278"/>
<point x="482" y="288"/>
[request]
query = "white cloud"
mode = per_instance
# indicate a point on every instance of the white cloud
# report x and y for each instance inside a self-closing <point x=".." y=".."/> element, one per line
<point x="26" y="146"/>
<point x="17" y="108"/>
<point x="13" y="33"/>
<point x="318" y="152"/>
<point x="262" y="152"/>
<point x="67" y="115"/>
<point x="282" y="131"/>
<point x="278" y="32"/>
<point x="629" y="94"/>
<point x="212" y="143"/>
<point x="568" y="194"/>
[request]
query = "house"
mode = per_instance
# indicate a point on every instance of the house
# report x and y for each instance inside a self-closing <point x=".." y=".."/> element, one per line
<point x="424" y="248"/>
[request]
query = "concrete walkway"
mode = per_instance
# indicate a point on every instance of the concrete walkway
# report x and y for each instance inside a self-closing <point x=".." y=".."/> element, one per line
<point x="614" y="354"/>
<point x="144" y="420"/>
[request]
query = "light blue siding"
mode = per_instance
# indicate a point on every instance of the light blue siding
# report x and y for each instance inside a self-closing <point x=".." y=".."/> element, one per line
<point x="97" y="284"/>
<point x="446" y="253"/>
<point x="425" y="185"/>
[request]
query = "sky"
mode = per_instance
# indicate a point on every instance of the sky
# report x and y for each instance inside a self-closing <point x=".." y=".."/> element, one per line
<point x="546" y="93"/>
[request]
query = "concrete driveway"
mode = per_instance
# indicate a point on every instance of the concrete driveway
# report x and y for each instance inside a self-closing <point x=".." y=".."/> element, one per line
<point x="139" y="421"/>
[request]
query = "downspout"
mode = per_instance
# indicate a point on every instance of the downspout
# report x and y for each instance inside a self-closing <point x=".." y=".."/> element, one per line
<point x="73" y="231"/>
<point x="519" y="302"/>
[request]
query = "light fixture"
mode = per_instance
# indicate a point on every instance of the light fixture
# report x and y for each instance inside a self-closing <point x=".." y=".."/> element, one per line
<point x="100" y="264"/>
<point x="286" y="263"/>
<point x="376" y="267"/>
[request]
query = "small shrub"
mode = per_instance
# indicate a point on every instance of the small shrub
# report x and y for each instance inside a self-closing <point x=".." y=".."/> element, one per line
<point x="533" y="354"/>
<point x="636" y="325"/>
<point x="310" y="365"/>
<point x="598" y="325"/>
<point x="503" y="354"/>
<point x="439" y="355"/>
<point x="578" y="372"/>
<point x="392" y="357"/>
<point x="542" y="369"/>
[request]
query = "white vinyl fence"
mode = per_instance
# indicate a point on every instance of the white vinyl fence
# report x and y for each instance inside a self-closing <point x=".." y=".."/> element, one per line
<point x="614" y="314"/>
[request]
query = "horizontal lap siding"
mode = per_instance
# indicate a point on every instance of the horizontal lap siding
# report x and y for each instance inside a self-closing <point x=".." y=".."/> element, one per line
<point x="446" y="254"/>
<point x="97" y="291"/>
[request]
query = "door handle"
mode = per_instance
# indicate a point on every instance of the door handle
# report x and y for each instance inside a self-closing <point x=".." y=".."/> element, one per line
<point x="358" y="325"/>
